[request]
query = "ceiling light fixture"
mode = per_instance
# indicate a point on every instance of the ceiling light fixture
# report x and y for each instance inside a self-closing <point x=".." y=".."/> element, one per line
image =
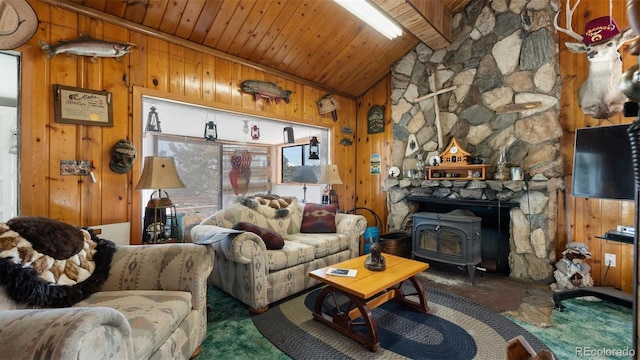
<point x="372" y="16"/>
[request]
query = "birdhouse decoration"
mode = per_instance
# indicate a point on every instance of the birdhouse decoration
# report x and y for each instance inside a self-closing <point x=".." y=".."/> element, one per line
<point x="454" y="154"/>
<point x="328" y="104"/>
<point x="455" y="163"/>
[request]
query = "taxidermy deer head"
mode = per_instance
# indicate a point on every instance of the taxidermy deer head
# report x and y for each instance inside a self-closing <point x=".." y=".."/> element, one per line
<point x="599" y="95"/>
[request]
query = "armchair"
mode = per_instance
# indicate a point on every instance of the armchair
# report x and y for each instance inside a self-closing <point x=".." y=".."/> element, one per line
<point x="152" y="306"/>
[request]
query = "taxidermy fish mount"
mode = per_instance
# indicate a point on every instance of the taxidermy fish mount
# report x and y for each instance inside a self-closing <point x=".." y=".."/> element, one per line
<point x="85" y="45"/>
<point x="267" y="90"/>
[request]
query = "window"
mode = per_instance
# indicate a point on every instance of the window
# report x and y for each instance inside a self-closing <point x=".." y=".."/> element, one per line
<point x="214" y="173"/>
<point x="295" y="156"/>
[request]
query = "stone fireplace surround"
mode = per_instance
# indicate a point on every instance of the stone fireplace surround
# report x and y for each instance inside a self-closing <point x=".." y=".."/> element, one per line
<point x="502" y="53"/>
<point x="532" y="222"/>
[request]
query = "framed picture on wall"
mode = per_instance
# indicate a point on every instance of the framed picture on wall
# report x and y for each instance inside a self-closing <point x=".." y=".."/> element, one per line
<point x="82" y="106"/>
<point x="375" y="119"/>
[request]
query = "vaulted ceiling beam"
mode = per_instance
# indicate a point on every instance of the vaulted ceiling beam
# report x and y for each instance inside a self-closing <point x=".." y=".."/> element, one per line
<point x="428" y="20"/>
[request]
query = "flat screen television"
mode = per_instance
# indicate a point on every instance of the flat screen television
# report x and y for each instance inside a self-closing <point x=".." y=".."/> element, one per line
<point x="602" y="163"/>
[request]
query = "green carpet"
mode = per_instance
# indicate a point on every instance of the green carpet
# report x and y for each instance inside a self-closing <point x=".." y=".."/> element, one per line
<point x="585" y="329"/>
<point x="593" y="326"/>
<point x="231" y="333"/>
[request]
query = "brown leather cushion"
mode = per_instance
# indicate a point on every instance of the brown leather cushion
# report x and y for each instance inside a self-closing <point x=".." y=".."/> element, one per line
<point x="319" y="218"/>
<point x="272" y="240"/>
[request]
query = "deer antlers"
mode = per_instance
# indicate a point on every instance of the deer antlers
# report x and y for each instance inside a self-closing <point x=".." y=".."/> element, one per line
<point x="568" y="16"/>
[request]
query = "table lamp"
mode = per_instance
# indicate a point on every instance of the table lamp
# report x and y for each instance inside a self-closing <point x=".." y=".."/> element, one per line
<point x="305" y="175"/>
<point x="160" y="220"/>
<point x="330" y="176"/>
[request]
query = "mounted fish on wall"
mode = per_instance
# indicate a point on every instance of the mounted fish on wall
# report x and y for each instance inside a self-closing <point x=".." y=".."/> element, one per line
<point x="267" y="90"/>
<point x="85" y="45"/>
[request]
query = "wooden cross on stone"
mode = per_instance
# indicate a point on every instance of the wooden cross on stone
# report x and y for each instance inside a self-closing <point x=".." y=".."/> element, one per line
<point x="432" y="82"/>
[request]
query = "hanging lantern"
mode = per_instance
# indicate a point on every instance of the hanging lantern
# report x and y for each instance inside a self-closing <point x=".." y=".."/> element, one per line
<point x="255" y="132"/>
<point x="153" y="122"/>
<point x="210" y="131"/>
<point x="313" y="149"/>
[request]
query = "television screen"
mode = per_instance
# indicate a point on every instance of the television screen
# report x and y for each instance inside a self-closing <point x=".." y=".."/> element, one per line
<point x="602" y="163"/>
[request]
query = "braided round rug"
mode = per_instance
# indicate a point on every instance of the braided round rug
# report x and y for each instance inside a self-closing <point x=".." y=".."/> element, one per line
<point x="454" y="328"/>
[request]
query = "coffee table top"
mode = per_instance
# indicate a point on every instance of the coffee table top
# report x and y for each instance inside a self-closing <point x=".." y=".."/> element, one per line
<point x="368" y="283"/>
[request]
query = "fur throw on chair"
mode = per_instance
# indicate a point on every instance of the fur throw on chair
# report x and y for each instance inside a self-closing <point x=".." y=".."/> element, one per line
<point x="48" y="263"/>
<point x="270" y="205"/>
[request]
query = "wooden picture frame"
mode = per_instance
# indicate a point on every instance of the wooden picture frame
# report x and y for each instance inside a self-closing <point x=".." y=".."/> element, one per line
<point x="79" y="106"/>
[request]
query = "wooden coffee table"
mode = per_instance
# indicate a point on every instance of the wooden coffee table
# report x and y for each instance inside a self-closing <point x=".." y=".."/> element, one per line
<point x="346" y="299"/>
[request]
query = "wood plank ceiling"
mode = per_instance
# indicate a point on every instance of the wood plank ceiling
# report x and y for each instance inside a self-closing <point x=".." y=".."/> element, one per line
<point x="316" y="41"/>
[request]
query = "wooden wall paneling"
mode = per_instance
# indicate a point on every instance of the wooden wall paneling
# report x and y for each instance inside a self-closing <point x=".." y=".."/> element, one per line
<point x="248" y="26"/>
<point x="137" y="59"/>
<point x="116" y="188"/>
<point x="369" y="193"/>
<point x="90" y="137"/>
<point x="609" y="215"/>
<point x="208" y="77"/>
<point x="235" y="85"/>
<point x="34" y="129"/>
<point x="157" y="64"/>
<point x="268" y="41"/>
<point x="626" y="263"/>
<point x="193" y="76"/>
<point x="223" y="81"/>
<point x="176" y="69"/>
<point x="64" y="190"/>
<point x="591" y="218"/>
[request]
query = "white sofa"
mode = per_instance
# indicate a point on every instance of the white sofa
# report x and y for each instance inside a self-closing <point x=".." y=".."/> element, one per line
<point x="247" y="270"/>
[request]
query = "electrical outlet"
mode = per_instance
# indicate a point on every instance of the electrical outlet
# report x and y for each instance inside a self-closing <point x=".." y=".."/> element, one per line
<point x="610" y="260"/>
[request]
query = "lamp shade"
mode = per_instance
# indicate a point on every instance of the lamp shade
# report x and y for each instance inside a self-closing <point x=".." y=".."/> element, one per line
<point x="330" y="175"/>
<point x="159" y="173"/>
<point x="305" y="175"/>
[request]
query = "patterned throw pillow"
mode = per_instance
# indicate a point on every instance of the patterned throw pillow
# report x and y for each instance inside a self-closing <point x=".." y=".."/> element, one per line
<point x="272" y="239"/>
<point x="319" y="218"/>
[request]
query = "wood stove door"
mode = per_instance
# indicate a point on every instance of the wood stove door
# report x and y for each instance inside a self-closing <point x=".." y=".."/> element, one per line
<point x="443" y="243"/>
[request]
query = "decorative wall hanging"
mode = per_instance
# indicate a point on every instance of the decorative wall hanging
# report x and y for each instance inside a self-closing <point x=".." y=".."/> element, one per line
<point x="436" y="106"/>
<point x="375" y="119"/>
<point x="19" y="23"/>
<point x="346" y="130"/>
<point x="85" y="45"/>
<point x="240" y="174"/>
<point x="328" y="104"/>
<point x="412" y="145"/>
<point x="374" y="163"/>
<point x="346" y="141"/>
<point x="287" y="134"/>
<point x="153" y="121"/>
<point x="600" y="95"/>
<point x="82" y="106"/>
<point x="266" y="89"/>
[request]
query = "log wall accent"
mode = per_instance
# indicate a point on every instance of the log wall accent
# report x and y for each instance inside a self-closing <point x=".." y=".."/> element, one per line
<point x="155" y="67"/>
